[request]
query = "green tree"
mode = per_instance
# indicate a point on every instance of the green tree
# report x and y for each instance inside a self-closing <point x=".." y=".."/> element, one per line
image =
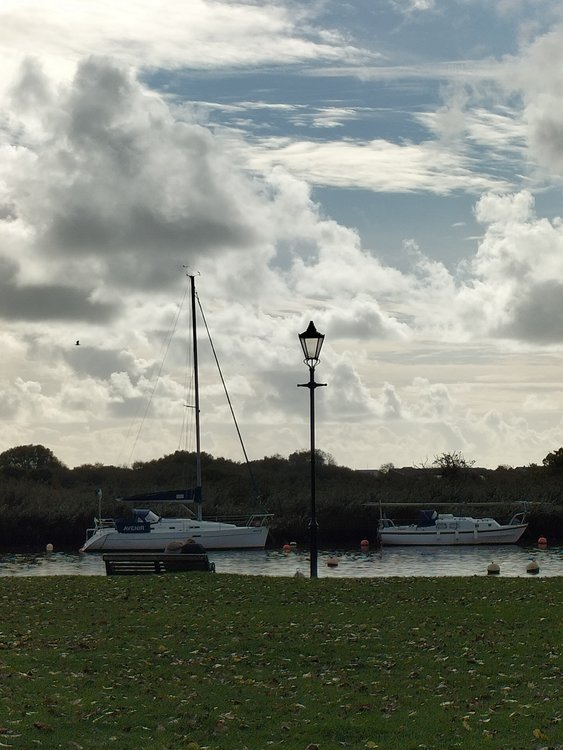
<point x="28" y="459"/>
<point x="554" y="460"/>
<point x="452" y="465"/>
<point x="304" y="457"/>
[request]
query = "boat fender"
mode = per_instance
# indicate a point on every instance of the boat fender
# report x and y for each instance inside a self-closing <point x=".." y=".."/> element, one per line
<point x="49" y="548"/>
<point x="287" y="548"/>
<point x="542" y="541"/>
<point x="364" y="543"/>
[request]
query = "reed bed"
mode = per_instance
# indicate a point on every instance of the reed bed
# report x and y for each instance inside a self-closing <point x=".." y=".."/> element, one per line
<point x="228" y="662"/>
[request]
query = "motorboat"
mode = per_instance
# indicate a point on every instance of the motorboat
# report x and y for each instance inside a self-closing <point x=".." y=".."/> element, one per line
<point x="435" y="528"/>
<point x="147" y="530"/>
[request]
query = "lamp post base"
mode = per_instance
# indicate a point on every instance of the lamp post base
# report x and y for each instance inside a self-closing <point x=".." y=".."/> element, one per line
<point x="313" y="546"/>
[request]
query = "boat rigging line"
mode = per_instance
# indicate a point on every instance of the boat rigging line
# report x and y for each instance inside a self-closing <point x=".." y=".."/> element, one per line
<point x="194" y="296"/>
<point x="251" y="475"/>
<point x="166" y="348"/>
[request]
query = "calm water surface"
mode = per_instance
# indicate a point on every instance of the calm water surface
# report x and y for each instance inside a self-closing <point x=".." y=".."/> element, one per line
<point x="391" y="561"/>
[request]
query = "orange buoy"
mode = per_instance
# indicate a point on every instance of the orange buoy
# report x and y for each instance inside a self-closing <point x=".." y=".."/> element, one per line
<point x="332" y="562"/>
<point x="287" y="548"/>
<point x="542" y="541"/>
<point x="364" y="543"/>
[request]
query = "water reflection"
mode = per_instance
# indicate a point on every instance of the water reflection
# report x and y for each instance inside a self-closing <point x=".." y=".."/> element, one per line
<point x="50" y="564"/>
<point x="395" y="561"/>
<point x="391" y="561"/>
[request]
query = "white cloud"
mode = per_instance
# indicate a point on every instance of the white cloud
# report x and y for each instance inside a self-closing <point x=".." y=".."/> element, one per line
<point x="106" y="194"/>
<point x="500" y="130"/>
<point x="537" y="76"/>
<point x="362" y="319"/>
<point x="517" y="272"/>
<point x="211" y="35"/>
<point x="111" y="177"/>
<point x="413" y="6"/>
<point x="433" y="401"/>
<point x="377" y="165"/>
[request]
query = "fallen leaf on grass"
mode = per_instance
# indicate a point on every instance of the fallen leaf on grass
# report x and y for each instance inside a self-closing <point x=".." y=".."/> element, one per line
<point x="42" y="726"/>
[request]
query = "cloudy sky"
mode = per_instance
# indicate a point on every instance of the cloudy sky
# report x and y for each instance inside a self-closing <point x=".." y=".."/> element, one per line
<point x="391" y="169"/>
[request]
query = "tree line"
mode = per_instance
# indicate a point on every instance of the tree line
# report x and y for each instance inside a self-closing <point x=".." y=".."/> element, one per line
<point x="43" y="501"/>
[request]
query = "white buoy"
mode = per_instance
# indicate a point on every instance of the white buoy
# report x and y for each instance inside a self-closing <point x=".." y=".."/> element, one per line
<point x="493" y="569"/>
<point x="49" y="547"/>
<point x="299" y="574"/>
<point x="332" y="562"/>
<point x="532" y="567"/>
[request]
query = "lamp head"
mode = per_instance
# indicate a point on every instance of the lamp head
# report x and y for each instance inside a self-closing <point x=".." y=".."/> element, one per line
<point x="311" y="343"/>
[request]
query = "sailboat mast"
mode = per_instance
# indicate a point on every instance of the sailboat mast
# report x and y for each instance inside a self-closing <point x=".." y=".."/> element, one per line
<point x="198" y="488"/>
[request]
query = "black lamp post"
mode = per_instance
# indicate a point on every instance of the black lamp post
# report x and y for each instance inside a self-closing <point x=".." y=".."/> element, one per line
<point x="312" y="343"/>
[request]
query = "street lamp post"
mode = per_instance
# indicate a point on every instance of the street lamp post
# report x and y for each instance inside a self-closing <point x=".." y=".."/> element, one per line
<point x="312" y="343"/>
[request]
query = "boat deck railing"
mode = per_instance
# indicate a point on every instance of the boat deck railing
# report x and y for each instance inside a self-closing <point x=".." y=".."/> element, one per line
<point x="100" y="523"/>
<point x="252" y="519"/>
<point x="518" y="519"/>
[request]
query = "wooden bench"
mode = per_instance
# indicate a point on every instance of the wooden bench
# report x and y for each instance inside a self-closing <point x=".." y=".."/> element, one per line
<point x="143" y="563"/>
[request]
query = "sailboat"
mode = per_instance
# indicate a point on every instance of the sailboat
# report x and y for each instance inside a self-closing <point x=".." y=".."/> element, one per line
<point x="147" y="531"/>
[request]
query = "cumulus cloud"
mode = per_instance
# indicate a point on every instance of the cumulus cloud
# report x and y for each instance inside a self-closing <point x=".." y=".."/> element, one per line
<point x="106" y="192"/>
<point x="538" y="77"/>
<point x="362" y="319"/>
<point x="48" y="301"/>
<point x="517" y="273"/>
<point x="433" y="400"/>
<point x="113" y="177"/>
<point x="111" y="195"/>
<point x="348" y="397"/>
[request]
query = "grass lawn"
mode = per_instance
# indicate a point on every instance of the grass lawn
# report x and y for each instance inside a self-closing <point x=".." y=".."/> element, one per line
<point x="228" y="662"/>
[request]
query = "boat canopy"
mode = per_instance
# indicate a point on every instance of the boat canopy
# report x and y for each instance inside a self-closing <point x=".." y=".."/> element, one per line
<point x="165" y="496"/>
<point x="427" y="517"/>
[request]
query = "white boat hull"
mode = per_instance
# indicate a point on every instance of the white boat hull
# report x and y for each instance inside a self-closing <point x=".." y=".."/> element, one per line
<point x="212" y="535"/>
<point x="420" y="536"/>
<point x="440" y="529"/>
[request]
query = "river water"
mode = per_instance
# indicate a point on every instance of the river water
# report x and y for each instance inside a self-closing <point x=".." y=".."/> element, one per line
<point x="390" y="561"/>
